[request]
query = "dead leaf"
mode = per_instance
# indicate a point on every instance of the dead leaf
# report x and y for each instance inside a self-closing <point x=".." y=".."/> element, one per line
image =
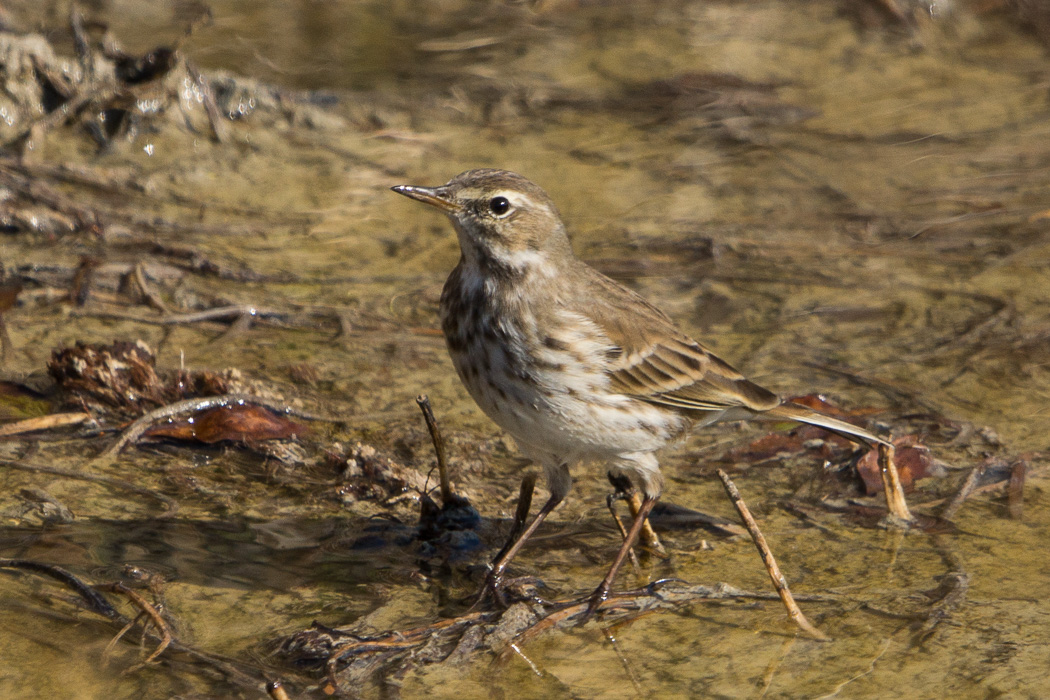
<point x="244" y="423"/>
<point x="912" y="459"/>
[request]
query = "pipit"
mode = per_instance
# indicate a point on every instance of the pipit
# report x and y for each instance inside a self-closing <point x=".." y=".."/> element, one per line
<point x="575" y="366"/>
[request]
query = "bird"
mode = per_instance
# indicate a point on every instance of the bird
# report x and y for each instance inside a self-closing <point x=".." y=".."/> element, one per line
<point x="573" y="365"/>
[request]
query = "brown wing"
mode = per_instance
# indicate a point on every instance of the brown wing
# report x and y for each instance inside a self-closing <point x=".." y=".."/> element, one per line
<point x="653" y="360"/>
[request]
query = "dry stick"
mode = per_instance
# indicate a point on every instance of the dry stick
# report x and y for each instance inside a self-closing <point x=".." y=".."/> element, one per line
<point x="1015" y="489"/>
<point x="275" y="689"/>
<point x="891" y="483"/>
<point x="439" y="447"/>
<point x="953" y="506"/>
<point x="779" y="582"/>
<point x="644" y="600"/>
<point x="52" y="420"/>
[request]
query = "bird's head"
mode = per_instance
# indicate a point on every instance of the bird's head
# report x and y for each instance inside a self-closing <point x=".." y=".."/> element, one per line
<point x="502" y="219"/>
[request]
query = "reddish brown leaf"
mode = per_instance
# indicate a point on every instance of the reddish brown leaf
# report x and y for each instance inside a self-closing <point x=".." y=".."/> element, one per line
<point x="912" y="459"/>
<point x="235" y="423"/>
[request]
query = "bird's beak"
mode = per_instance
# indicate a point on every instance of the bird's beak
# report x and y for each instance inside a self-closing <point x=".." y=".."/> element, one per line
<point x="436" y="196"/>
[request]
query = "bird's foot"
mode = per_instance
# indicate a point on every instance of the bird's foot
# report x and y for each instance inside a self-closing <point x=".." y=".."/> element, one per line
<point x="503" y="592"/>
<point x="492" y="590"/>
<point x="594" y="601"/>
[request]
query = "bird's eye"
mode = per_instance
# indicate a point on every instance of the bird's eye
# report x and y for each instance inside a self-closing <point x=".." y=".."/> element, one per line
<point x="499" y="205"/>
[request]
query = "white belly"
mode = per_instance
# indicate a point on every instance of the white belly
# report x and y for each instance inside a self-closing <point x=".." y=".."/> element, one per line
<point x="558" y="402"/>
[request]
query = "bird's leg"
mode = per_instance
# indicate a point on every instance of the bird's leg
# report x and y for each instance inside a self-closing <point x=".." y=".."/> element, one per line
<point x="625" y="489"/>
<point x="494" y="580"/>
<point x="521" y="513"/>
<point x="602" y="591"/>
<point x="610" y="503"/>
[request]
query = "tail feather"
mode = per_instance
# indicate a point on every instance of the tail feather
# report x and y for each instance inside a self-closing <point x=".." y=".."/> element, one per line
<point x="801" y="414"/>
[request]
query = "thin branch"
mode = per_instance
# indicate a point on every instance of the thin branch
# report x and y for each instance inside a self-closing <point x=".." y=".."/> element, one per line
<point x="439" y="447"/>
<point x="275" y="689"/>
<point x="779" y="582"/>
<point x="95" y="602"/>
<point x="891" y="483"/>
<point x="98" y="604"/>
<point x="149" y="611"/>
<point x="967" y="487"/>
<point x="48" y="422"/>
<point x="1015" y="489"/>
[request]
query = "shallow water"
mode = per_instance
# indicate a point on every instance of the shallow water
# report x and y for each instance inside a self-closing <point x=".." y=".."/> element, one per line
<point x="900" y="232"/>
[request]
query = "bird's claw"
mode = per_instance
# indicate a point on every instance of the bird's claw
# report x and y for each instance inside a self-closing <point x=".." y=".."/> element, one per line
<point x="594" y="601"/>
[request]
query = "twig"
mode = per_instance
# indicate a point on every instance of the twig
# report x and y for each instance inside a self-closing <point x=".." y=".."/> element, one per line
<point x="275" y="689"/>
<point x="152" y="297"/>
<point x="95" y="602"/>
<point x="53" y="420"/>
<point x="234" y="311"/>
<point x="779" y="582"/>
<point x="1015" y="489"/>
<point x="439" y="447"/>
<point x="147" y="609"/>
<point x="891" y="483"/>
<point x="171" y="506"/>
<point x="99" y="605"/>
<point x="967" y="487"/>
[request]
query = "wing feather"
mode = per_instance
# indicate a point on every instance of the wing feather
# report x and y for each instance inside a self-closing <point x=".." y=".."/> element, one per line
<point x="657" y="362"/>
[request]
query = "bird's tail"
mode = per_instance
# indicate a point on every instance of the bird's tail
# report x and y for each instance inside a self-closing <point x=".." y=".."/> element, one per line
<point x="801" y="414"/>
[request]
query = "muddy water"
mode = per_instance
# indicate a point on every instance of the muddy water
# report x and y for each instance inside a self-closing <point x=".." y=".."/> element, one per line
<point x="874" y="200"/>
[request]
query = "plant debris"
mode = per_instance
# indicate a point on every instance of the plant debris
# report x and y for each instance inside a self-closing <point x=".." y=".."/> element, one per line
<point x="240" y="423"/>
<point x="122" y="378"/>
